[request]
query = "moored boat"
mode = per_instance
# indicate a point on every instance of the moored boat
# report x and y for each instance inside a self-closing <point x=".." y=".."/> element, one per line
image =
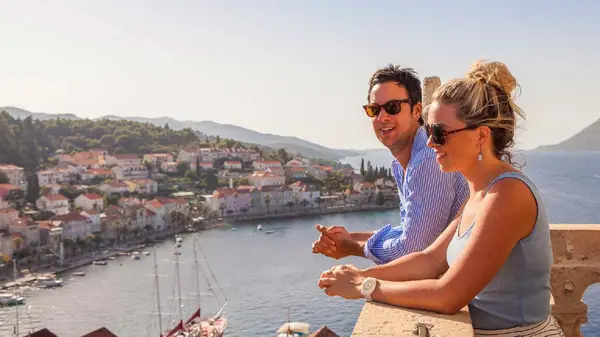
<point x="8" y="300"/>
<point x="195" y="325"/>
<point x="49" y="282"/>
<point x="293" y="329"/>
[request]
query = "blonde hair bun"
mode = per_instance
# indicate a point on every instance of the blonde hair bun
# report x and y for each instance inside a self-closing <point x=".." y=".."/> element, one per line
<point x="495" y="73"/>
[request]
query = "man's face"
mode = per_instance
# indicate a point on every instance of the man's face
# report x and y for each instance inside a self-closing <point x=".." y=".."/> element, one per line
<point x="394" y="131"/>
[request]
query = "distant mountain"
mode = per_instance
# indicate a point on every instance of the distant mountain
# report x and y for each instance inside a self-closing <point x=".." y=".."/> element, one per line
<point x="291" y="144"/>
<point x="587" y="139"/>
<point x="20" y="113"/>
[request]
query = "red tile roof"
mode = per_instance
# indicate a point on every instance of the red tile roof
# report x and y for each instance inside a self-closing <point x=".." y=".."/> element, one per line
<point x="92" y="196"/>
<point x="42" y="333"/>
<point x="71" y="216"/>
<point x="126" y="156"/>
<point x="55" y="197"/>
<point x="8" y="210"/>
<point x="8" y="187"/>
<point x="102" y="332"/>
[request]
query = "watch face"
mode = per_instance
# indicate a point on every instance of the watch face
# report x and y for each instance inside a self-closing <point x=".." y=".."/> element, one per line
<point x="368" y="285"/>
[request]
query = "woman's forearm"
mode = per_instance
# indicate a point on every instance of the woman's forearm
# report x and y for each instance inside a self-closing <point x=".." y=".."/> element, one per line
<point x="415" y="266"/>
<point x="424" y="295"/>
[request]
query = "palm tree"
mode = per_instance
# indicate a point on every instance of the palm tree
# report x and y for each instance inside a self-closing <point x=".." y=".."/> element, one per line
<point x="268" y="202"/>
<point x="118" y="227"/>
<point x="222" y="208"/>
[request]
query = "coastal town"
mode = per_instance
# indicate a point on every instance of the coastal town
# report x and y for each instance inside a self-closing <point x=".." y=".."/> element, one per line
<point x="93" y="199"/>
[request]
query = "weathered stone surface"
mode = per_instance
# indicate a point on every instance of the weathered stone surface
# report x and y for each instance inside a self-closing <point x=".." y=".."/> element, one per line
<point x="378" y="319"/>
<point x="576" y="267"/>
<point x="430" y="84"/>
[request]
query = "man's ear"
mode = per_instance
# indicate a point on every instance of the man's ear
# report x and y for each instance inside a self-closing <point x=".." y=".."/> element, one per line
<point x="418" y="111"/>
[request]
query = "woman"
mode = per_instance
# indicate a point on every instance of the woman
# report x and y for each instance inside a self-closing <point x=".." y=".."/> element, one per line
<point x="496" y="255"/>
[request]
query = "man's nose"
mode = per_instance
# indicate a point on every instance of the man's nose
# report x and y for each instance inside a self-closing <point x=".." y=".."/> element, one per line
<point x="383" y="116"/>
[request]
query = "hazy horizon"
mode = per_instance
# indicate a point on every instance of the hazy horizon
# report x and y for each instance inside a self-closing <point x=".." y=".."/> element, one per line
<point x="291" y="69"/>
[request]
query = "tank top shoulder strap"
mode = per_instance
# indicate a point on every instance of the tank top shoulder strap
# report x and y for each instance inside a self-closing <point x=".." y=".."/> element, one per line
<point x="516" y="175"/>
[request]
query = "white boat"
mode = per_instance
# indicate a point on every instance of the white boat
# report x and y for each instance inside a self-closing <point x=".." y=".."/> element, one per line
<point x="178" y="239"/>
<point x="293" y="329"/>
<point x="7" y="300"/>
<point x="259" y="227"/>
<point x="146" y="253"/>
<point x="100" y="263"/>
<point x="233" y="229"/>
<point x="270" y="231"/>
<point x="49" y="282"/>
<point x="78" y="273"/>
<point x="135" y="255"/>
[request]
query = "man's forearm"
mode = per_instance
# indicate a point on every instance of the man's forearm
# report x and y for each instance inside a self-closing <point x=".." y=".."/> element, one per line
<point x="361" y="236"/>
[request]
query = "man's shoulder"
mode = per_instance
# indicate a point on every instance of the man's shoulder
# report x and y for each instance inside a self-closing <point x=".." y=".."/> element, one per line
<point x="424" y="158"/>
<point x="426" y="164"/>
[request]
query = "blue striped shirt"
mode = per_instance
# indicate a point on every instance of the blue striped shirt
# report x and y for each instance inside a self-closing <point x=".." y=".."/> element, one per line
<point x="429" y="200"/>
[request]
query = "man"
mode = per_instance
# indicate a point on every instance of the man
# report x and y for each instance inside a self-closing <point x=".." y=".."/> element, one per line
<point x="429" y="198"/>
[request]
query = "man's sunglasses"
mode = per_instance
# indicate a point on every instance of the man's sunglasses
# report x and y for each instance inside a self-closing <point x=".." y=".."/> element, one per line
<point x="391" y="107"/>
<point x="438" y="134"/>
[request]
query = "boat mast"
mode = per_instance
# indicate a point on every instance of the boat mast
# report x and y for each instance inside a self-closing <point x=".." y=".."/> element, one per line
<point x="15" y="294"/>
<point x="157" y="294"/>
<point x="197" y="271"/>
<point x="178" y="285"/>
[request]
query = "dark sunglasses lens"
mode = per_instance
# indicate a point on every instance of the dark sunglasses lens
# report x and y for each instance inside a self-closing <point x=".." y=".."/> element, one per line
<point x="372" y="110"/>
<point x="437" y="134"/>
<point x="392" y="107"/>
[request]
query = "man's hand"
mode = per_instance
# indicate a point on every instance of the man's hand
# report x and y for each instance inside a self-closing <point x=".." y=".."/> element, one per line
<point x="335" y="242"/>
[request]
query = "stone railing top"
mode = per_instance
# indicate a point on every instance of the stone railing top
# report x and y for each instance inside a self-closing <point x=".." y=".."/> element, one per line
<point x="378" y="319"/>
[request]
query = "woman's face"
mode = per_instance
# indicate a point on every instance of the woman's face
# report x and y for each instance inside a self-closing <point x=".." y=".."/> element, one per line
<point x="460" y="143"/>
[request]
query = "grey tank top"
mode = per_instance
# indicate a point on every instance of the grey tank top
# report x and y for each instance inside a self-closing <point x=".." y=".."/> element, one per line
<point x="519" y="294"/>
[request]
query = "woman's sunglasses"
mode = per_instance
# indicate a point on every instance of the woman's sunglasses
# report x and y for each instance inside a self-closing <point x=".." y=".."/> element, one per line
<point x="391" y="107"/>
<point x="438" y="134"/>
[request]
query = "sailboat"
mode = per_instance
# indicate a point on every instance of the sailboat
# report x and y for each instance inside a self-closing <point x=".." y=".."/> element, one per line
<point x="293" y="329"/>
<point x="195" y="325"/>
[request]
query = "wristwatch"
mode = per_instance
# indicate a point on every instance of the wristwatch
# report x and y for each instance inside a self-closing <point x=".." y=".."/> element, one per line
<point x="367" y="287"/>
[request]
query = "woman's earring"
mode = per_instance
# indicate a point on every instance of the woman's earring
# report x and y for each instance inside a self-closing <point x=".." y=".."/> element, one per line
<point x="480" y="155"/>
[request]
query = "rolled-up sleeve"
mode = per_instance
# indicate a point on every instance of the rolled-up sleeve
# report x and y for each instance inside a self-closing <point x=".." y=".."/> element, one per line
<point x="429" y="198"/>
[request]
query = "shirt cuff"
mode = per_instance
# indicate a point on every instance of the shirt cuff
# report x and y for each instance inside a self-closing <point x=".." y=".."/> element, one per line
<point x="374" y="239"/>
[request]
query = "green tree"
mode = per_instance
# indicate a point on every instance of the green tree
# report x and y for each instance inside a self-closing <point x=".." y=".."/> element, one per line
<point x="210" y="179"/>
<point x="4" y="178"/>
<point x="198" y="167"/>
<point x="362" y="167"/>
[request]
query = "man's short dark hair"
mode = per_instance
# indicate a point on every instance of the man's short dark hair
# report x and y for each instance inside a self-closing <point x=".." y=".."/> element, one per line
<point x="406" y="77"/>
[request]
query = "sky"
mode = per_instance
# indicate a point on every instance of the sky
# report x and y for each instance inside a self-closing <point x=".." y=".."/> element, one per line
<point x="294" y="68"/>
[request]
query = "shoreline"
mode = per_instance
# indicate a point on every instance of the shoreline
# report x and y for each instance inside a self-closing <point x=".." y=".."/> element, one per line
<point x="135" y="244"/>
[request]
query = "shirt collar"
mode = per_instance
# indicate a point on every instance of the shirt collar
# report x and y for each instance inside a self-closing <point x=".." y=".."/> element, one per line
<point x="419" y="144"/>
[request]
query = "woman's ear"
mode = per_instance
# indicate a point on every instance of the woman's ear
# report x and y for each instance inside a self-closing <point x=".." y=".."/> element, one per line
<point x="483" y="134"/>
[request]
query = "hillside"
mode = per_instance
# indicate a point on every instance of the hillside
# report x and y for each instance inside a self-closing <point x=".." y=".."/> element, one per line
<point x="20" y="113"/>
<point x="587" y="139"/>
<point x="290" y="144"/>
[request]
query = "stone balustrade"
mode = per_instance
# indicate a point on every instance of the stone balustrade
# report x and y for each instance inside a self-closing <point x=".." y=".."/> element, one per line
<point x="576" y="267"/>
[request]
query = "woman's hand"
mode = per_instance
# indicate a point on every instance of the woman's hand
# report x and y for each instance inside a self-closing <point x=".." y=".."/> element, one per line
<point x="344" y="281"/>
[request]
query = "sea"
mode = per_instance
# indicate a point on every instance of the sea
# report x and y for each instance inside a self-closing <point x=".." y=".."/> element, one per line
<point x="265" y="278"/>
